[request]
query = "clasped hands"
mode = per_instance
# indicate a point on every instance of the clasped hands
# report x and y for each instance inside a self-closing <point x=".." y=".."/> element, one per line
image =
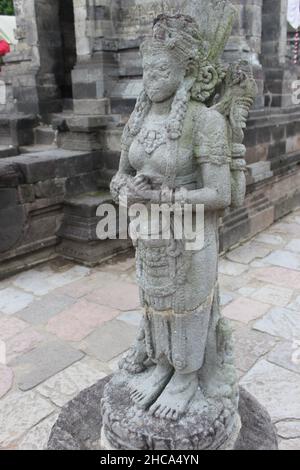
<point x="138" y="190"/>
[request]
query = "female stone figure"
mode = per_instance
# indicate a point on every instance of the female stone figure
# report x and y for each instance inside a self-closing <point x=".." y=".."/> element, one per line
<point x="180" y="148"/>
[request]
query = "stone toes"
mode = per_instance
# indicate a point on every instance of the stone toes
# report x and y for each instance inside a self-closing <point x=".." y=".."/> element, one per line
<point x="136" y="395"/>
<point x="158" y="412"/>
<point x="165" y="412"/>
<point x="154" y="408"/>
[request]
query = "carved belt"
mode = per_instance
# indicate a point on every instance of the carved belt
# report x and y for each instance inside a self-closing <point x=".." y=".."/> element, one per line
<point x="187" y="181"/>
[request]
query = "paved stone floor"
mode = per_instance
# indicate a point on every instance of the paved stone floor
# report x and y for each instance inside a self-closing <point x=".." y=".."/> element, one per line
<point x="62" y="327"/>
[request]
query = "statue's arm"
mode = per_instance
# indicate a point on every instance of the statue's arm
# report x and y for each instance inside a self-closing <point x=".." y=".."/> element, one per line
<point x="216" y="191"/>
<point x="212" y="156"/>
<point x="123" y="177"/>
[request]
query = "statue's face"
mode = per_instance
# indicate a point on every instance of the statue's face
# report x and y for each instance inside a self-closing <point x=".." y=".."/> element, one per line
<point x="163" y="75"/>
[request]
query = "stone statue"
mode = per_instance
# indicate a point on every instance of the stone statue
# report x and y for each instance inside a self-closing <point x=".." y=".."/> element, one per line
<point x="177" y="387"/>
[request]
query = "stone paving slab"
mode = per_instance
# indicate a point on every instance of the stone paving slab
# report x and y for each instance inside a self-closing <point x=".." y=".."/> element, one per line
<point x="121" y="296"/>
<point x="275" y="388"/>
<point x="6" y="379"/>
<point x="110" y="340"/>
<point x="280" y="322"/>
<point x="247" y="253"/>
<point x="286" y="355"/>
<point x="43" y="362"/>
<point x="65" y="385"/>
<point x="22" y="343"/>
<point x="274" y="295"/>
<point x="13" y="300"/>
<point x="37" y="438"/>
<point x="245" y="310"/>
<point x="40" y="311"/>
<point x="19" y="412"/>
<point x="250" y="346"/>
<point x="284" y="259"/>
<point x="291" y="444"/>
<point x="278" y="276"/>
<point x="79" y="320"/>
<point x="288" y="429"/>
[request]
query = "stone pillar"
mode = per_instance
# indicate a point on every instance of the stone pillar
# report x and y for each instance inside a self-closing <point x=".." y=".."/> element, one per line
<point x="93" y="74"/>
<point x="245" y="41"/>
<point x="278" y="75"/>
<point x="21" y="65"/>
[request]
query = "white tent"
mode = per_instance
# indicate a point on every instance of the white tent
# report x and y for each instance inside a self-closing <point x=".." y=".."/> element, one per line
<point x="7" y="27"/>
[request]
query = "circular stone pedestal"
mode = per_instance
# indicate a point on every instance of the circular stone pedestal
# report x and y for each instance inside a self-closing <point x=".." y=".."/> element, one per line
<point x="79" y="425"/>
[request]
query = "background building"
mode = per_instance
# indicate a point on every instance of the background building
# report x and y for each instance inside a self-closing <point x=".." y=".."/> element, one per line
<point x="69" y="86"/>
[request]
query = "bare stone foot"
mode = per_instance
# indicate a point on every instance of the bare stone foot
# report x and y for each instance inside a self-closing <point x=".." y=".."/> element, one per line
<point x="174" y="400"/>
<point x="146" y="392"/>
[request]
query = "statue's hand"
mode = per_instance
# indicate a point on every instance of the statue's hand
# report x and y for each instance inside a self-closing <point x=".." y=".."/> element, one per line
<point x="138" y="191"/>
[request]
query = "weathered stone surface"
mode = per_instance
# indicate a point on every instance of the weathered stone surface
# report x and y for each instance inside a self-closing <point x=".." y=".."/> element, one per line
<point x="6" y="379"/>
<point x="286" y="355"/>
<point x="290" y="444"/>
<point x="13" y="219"/>
<point x="245" y="310"/>
<point x="18" y="413"/>
<point x="270" y="239"/>
<point x="258" y="432"/>
<point x="273" y="295"/>
<point x="37" y="438"/>
<point x="79" y="424"/>
<point x="231" y="269"/>
<point x="280" y="322"/>
<point x="42" y="282"/>
<point x="45" y="361"/>
<point x="40" y="311"/>
<point x="294" y="245"/>
<point x="65" y="385"/>
<point x="122" y="297"/>
<point x="13" y="300"/>
<point x="279" y="277"/>
<point x="247" y="253"/>
<point x="22" y="343"/>
<point x="288" y="429"/>
<point x="110" y="340"/>
<point x="133" y="318"/>
<point x="275" y="388"/>
<point x="79" y="320"/>
<point x="249" y="346"/>
<point x="285" y="259"/>
<point x="11" y="326"/>
<point x="295" y="305"/>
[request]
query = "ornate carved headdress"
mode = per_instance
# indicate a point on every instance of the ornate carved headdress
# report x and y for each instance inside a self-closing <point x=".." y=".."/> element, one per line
<point x="199" y="46"/>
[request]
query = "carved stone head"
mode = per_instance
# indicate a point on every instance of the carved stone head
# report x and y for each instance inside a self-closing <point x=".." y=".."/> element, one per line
<point x="170" y="55"/>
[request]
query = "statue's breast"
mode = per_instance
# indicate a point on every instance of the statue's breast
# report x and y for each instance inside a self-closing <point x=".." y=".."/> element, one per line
<point x="151" y="153"/>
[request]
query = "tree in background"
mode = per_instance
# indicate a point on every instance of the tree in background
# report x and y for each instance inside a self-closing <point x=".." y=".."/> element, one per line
<point x="6" y="7"/>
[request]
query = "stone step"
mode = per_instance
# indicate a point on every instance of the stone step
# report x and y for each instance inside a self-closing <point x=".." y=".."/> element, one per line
<point x="44" y="135"/>
<point x="8" y="151"/>
<point x="45" y="164"/>
<point x="78" y="231"/>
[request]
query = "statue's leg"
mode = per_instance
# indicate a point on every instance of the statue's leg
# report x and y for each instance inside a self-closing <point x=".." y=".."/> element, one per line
<point x="147" y="388"/>
<point x="189" y="338"/>
<point x="134" y="362"/>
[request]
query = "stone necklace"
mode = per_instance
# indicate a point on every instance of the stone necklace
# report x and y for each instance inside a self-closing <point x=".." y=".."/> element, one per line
<point x="152" y="138"/>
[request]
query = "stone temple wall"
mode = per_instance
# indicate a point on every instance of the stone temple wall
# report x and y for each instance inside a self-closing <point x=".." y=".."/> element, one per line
<point x="72" y="81"/>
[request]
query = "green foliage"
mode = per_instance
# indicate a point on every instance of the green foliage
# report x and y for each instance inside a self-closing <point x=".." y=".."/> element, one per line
<point x="6" y="7"/>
